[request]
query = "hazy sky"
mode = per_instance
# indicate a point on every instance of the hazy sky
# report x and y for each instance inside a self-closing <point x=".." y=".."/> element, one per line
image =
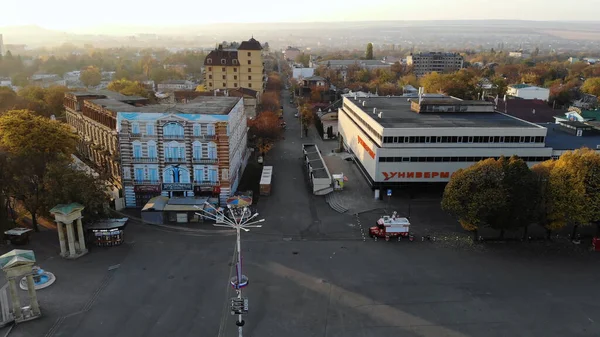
<point x="70" y="14"/>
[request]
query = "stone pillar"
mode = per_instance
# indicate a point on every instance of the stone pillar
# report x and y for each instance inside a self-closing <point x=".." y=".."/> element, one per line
<point x="71" y="239"/>
<point x="35" y="306"/>
<point x="61" y="238"/>
<point x="81" y="235"/>
<point x="14" y="297"/>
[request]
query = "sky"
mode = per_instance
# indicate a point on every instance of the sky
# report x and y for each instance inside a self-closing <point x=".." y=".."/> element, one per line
<point x="72" y="14"/>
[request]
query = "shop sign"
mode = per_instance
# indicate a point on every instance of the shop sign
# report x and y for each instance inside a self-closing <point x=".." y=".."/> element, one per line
<point x="415" y="175"/>
<point x="146" y="189"/>
<point x="177" y="187"/>
<point x="366" y="147"/>
<point x="198" y="189"/>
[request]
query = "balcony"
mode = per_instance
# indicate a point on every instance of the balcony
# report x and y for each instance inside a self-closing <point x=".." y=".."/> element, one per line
<point x="206" y="183"/>
<point x="173" y="136"/>
<point x="145" y="160"/>
<point x="145" y="182"/>
<point x="174" y="160"/>
<point x="135" y="135"/>
<point x="205" y="160"/>
<point x="205" y="137"/>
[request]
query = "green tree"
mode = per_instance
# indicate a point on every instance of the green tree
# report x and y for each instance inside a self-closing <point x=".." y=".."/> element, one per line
<point x="44" y="101"/>
<point x="128" y="88"/>
<point x="5" y="179"/>
<point x="369" y="52"/>
<point x="304" y="59"/>
<point x="8" y="99"/>
<point x="591" y="86"/>
<point x="91" y="76"/>
<point x="34" y="143"/>
<point x="476" y="197"/>
<point x="64" y="186"/>
<point x="307" y="117"/>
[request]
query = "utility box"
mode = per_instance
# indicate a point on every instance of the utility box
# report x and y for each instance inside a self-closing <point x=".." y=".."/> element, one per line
<point x="266" y="180"/>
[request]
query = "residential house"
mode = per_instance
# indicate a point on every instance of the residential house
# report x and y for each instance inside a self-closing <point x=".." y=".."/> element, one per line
<point x="173" y="85"/>
<point x="299" y="73"/>
<point x="527" y="91"/>
<point x="424" y="63"/>
<point x="291" y="53"/>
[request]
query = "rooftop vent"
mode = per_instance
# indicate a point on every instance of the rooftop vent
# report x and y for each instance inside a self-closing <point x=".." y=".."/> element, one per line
<point x="374" y="111"/>
<point x="380" y="115"/>
<point x="363" y="103"/>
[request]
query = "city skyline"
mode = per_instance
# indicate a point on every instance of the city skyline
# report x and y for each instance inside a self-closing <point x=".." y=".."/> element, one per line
<point x="67" y="15"/>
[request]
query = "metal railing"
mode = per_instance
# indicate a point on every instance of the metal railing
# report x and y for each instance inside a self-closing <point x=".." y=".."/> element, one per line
<point x="171" y="136"/>
<point x="145" y="160"/>
<point x="206" y="183"/>
<point x="205" y="137"/>
<point x="146" y="182"/>
<point x="205" y="160"/>
<point x="175" y="159"/>
<point x="135" y="135"/>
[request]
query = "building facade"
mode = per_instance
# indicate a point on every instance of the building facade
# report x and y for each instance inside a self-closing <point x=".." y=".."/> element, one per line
<point x="93" y="116"/>
<point x="197" y="149"/>
<point x="527" y="91"/>
<point x="236" y="68"/>
<point x="424" y="63"/>
<point x="174" y="85"/>
<point x="396" y="142"/>
<point x="291" y="53"/>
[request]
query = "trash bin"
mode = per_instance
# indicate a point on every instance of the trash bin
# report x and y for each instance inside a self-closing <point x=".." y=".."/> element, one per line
<point x="596" y="244"/>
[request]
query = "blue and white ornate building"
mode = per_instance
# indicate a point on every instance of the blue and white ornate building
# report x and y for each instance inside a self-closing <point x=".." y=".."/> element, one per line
<point x="198" y="148"/>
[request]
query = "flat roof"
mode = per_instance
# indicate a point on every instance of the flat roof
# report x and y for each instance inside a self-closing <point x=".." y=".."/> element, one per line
<point x="559" y="139"/>
<point x="396" y="113"/>
<point x="316" y="162"/>
<point x="204" y="105"/>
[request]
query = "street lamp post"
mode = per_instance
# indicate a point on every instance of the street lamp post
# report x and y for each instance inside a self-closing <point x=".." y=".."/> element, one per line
<point x="239" y="304"/>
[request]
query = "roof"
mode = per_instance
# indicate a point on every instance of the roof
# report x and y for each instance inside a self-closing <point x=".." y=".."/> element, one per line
<point x="396" y="113"/>
<point x="66" y="209"/>
<point x="314" y="78"/>
<point x="525" y="86"/>
<point x="108" y="94"/>
<point x="174" y="82"/>
<point x="113" y="105"/>
<point x="591" y="114"/>
<point x="17" y="257"/>
<point x="524" y="109"/>
<point x="558" y="139"/>
<point x="216" y="56"/>
<point x="108" y="224"/>
<point x="186" y="204"/>
<point x="449" y="100"/>
<point x="251" y="44"/>
<point x="316" y="161"/>
<point x="244" y="92"/>
<point x="155" y="204"/>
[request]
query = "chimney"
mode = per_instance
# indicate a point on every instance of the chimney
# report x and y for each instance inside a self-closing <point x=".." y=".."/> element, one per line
<point x="374" y="111"/>
<point x="363" y="103"/>
<point x="380" y="115"/>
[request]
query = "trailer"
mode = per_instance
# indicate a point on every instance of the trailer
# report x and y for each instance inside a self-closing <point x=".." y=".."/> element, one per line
<point x="266" y="180"/>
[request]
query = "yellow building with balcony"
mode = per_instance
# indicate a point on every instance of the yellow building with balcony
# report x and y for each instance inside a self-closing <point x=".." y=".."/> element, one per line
<point x="236" y="68"/>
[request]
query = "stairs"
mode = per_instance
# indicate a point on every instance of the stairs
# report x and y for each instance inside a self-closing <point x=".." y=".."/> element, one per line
<point x="335" y="203"/>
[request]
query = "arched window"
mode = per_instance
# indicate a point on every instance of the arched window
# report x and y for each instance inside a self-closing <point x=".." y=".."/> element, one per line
<point x="175" y="150"/>
<point x="210" y="129"/>
<point x="135" y="128"/>
<point x="197" y="130"/>
<point x="173" y="130"/>
<point x="137" y="149"/>
<point x="212" y="150"/>
<point x="197" y="150"/>
<point x="152" y="149"/>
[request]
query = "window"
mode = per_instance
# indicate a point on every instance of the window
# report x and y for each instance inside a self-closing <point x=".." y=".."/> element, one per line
<point x="235" y="77"/>
<point x="249" y="85"/>
<point x="150" y="129"/>
<point x="210" y="129"/>
<point x="249" y="70"/>
<point x="210" y="84"/>
<point x="199" y="174"/>
<point x="224" y="84"/>
<point x="135" y="128"/>
<point x="210" y="77"/>
<point x="197" y="150"/>
<point x="249" y="62"/>
<point x="153" y="174"/>
<point x="223" y="61"/>
<point x="235" y="85"/>
<point x="224" y="77"/>
<point x="223" y="69"/>
<point x="137" y="150"/>
<point x="209" y="68"/>
<point x="173" y="130"/>
<point x="174" y="150"/>
<point x="234" y="61"/>
<point x="197" y="130"/>
<point x="212" y="150"/>
<point x="209" y="61"/>
<point x="249" y="78"/>
<point x="212" y="173"/>
<point x="249" y="54"/>
<point x="235" y="70"/>
<point x="152" y="150"/>
<point x="139" y="174"/>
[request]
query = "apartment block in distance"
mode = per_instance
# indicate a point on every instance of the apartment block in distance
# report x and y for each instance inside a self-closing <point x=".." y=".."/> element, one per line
<point x="236" y="68"/>
<point x="424" y="63"/>
<point x="194" y="149"/>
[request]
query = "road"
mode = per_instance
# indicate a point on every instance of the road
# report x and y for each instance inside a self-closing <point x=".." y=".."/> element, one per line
<point x="311" y="274"/>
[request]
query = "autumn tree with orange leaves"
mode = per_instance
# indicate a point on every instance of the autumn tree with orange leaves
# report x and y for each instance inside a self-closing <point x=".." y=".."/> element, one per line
<point x="264" y="131"/>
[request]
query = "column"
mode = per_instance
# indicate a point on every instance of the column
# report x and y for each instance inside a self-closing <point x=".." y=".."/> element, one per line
<point x="35" y="307"/>
<point x="71" y="238"/>
<point x="61" y="238"/>
<point x="14" y="298"/>
<point x="81" y="235"/>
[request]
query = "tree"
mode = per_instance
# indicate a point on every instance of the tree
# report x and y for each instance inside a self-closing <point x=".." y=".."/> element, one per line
<point x="270" y="101"/>
<point x="91" y="76"/>
<point x="64" y="186"/>
<point x="307" y="117"/>
<point x="304" y="59"/>
<point x="591" y="86"/>
<point x="264" y="131"/>
<point x="8" y="99"/>
<point x="369" y="52"/>
<point x="128" y="88"/>
<point x="43" y="101"/>
<point x="4" y="192"/>
<point x="33" y="143"/>
<point x="521" y="187"/>
<point x="201" y="88"/>
<point x="476" y="197"/>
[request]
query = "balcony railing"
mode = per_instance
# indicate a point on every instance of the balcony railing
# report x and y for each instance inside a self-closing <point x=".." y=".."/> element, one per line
<point x="135" y="135"/>
<point x="206" y="183"/>
<point x="206" y="137"/>
<point x="146" y="182"/>
<point x="205" y="160"/>
<point x="174" y="160"/>
<point x="171" y="136"/>
<point x="145" y="160"/>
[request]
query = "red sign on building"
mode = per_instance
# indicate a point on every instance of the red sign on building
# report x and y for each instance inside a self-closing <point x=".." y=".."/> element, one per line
<point x="146" y="189"/>
<point x="415" y="175"/>
<point x="366" y="147"/>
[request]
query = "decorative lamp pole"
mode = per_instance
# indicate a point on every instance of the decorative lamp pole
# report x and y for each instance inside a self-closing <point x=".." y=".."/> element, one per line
<point x="239" y="222"/>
